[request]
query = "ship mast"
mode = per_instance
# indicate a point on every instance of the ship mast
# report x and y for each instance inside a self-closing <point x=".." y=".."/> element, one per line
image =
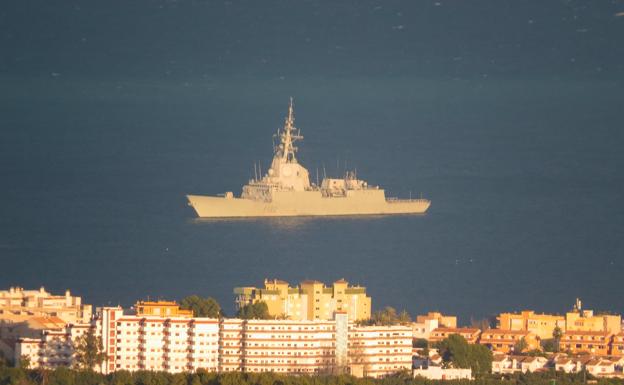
<point x="286" y="149"/>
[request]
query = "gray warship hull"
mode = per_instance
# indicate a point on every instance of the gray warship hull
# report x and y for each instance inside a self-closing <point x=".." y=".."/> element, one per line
<point x="306" y="203"/>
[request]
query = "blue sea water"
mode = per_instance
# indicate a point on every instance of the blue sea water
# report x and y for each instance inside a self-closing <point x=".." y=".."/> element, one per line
<point x="507" y="115"/>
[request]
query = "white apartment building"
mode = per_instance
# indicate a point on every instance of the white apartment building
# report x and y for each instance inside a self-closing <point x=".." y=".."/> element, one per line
<point x="176" y="344"/>
<point x="55" y="348"/>
<point x="377" y="351"/>
<point x="288" y="346"/>
<point x="184" y="344"/>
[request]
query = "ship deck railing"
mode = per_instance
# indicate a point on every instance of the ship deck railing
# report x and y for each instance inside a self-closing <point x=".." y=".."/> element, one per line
<point x="408" y="200"/>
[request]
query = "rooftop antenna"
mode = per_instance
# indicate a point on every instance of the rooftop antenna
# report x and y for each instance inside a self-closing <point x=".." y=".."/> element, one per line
<point x="255" y="172"/>
<point x="324" y="173"/>
<point x="317" y="181"/>
<point x="260" y="169"/>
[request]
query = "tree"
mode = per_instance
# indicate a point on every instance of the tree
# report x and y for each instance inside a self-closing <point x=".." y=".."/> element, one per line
<point x="201" y="307"/>
<point x="256" y="310"/>
<point x="548" y="345"/>
<point x="88" y="350"/>
<point x="482" y="324"/>
<point x="520" y="346"/>
<point x="388" y="316"/>
<point x="557" y="334"/>
<point x="456" y="352"/>
<point x="24" y="362"/>
<point x="404" y="317"/>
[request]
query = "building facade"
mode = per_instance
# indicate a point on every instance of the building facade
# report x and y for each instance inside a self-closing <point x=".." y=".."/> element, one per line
<point x="579" y="319"/>
<point x="444" y="321"/>
<point x="377" y="351"/>
<point x="311" y="300"/>
<point x="617" y="345"/>
<point x="17" y="302"/>
<point x="427" y="323"/>
<point x="180" y="343"/>
<point x="470" y="334"/>
<point x="593" y="342"/>
<point x="542" y="325"/>
<point x="506" y="341"/>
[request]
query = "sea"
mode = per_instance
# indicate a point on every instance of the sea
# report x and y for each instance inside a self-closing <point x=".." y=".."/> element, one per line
<point x="507" y="115"/>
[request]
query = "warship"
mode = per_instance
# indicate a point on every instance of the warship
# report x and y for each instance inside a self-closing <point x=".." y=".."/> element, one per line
<point x="285" y="190"/>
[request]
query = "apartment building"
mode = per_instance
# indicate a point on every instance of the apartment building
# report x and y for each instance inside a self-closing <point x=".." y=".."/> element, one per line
<point x="377" y="351"/>
<point x="54" y="348"/>
<point x="470" y="334"/>
<point x="152" y="342"/>
<point x="311" y="300"/>
<point x="541" y="325"/>
<point x="17" y="304"/>
<point x="594" y="342"/>
<point x="425" y="324"/>
<point x="505" y="341"/>
<point x="179" y="343"/>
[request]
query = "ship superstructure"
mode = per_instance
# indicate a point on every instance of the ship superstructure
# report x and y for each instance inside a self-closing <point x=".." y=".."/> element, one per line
<point x="285" y="190"/>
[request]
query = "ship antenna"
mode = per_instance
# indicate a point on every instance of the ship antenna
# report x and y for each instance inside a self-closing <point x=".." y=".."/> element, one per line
<point x="260" y="169"/>
<point x="289" y="135"/>
<point x="255" y="172"/>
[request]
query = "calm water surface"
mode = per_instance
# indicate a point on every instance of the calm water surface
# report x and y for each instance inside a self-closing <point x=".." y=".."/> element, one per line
<point x="518" y="147"/>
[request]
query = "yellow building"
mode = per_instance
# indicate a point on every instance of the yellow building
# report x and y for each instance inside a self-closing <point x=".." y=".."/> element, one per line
<point x="311" y="300"/>
<point x="585" y="320"/>
<point x="161" y="309"/>
<point x="542" y="325"/>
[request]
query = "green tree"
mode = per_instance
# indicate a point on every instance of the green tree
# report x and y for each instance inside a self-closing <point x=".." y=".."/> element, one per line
<point x="257" y="310"/>
<point x="88" y="351"/>
<point x="458" y="353"/>
<point x="404" y="317"/>
<point x="24" y="362"/>
<point x="62" y="376"/>
<point x="121" y="377"/>
<point x="388" y="316"/>
<point x="520" y="346"/>
<point x="202" y="307"/>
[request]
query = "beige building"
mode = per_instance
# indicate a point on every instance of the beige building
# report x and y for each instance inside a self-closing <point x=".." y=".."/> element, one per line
<point x="444" y="321"/>
<point x="17" y="302"/>
<point x="542" y="325"/>
<point x="425" y="324"/>
<point x="311" y="300"/>
<point x="579" y="319"/>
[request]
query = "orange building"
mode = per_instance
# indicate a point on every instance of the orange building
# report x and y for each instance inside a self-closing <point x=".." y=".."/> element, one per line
<point x="596" y="343"/>
<point x="470" y="334"/>
<point x="542" y="325"/>
<point x="161" y="309"/>
<point x="504" y="341"/>
<point x="617" y="345"/>
<point x="579" y="319"/>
